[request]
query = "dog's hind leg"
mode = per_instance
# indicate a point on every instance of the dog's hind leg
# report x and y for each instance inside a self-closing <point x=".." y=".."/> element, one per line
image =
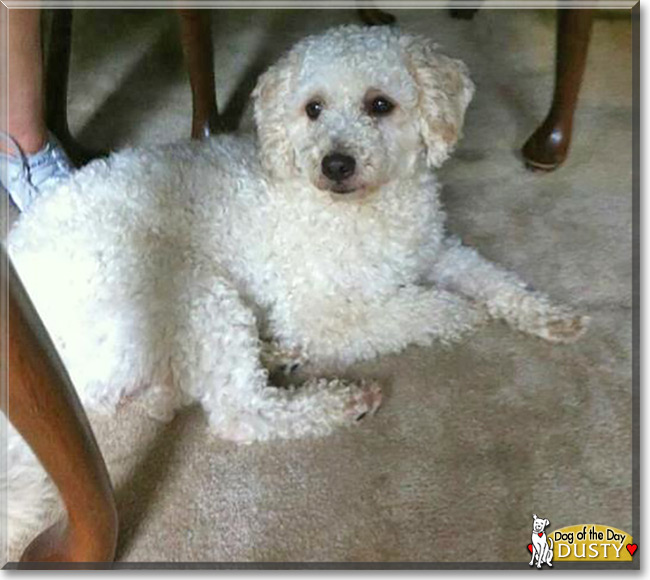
<point x="216" y="360"/>
<point x="461" y="269"/>
<point x="313" y="409"/>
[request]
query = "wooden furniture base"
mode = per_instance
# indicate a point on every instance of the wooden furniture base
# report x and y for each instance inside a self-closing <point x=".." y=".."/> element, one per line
<point x="463" y="13"/>
<point x="547" y="148"/>
<point x="44" y="408"/>
<point x="374" y="17"/>
<point x="196" y="41"/>
<point x="56" y="88"/>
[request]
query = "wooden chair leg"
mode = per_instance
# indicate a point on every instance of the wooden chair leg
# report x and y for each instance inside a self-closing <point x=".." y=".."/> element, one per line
<point x="548" y="146"/>
<point x="463" y="13"/>
<point x="196" y="39"/>
<point x="375" y="17"/>
<point x="56" y="88"/>
<point x="44" y="408"/>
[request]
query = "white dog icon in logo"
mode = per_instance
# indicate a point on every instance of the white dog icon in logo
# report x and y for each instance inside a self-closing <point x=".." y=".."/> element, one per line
<point x="540" y="547"/>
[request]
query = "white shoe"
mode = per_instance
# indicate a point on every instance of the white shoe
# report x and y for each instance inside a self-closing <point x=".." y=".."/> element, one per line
<point x="25" y="177"/>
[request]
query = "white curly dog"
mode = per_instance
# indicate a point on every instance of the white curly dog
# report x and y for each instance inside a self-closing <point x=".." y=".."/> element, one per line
<point x="184" y="272"/>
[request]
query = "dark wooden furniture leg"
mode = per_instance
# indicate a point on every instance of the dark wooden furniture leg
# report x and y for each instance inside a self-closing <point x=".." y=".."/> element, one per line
<point x="548" y="146"/>
<point x="463" y="13"/>
<point x="375" y="17"/>
<point x="196" y="39"/>
<point x="44" y="408"/>
<point x="56" y="88"/>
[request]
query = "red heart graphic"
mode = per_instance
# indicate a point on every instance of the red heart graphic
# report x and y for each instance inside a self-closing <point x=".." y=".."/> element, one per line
<point x="631" y="548"/>
<point x="540" y="534"/>
<point x="530" y="548"/>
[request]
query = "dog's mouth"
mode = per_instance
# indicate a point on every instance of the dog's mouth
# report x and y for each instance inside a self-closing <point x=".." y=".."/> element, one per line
<point x="343" y="188"/>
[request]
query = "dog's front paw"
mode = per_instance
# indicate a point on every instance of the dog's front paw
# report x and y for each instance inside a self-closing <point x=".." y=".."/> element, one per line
<point x="281" y="361"/>
<point x="567" y="328"/>
<point x="364" y="400"/>
<point x="535" y="314"/>
<point x="560" y="325"/>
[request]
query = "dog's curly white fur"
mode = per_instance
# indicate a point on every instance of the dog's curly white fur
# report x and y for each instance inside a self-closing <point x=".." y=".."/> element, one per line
<point x="165" y="269"/>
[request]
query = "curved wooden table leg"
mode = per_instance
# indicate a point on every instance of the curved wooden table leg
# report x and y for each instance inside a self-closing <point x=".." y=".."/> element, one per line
<point x="196" y="39"/>
<point x="548" y="146"/>
<point x="56" y="88"/>
<point x="44" y="408"/>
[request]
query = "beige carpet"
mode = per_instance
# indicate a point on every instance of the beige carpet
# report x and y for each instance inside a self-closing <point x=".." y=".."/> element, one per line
<point x="472" y="440"/>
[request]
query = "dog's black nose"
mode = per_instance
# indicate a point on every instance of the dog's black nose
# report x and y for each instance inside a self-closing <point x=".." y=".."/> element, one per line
<point x="337" y="166"/>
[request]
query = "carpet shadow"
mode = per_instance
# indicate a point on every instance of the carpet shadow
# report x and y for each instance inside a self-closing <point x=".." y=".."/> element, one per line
<point x="125" y="98"/>
<point x="232" y="113"/>
<point x="136" y="497"/>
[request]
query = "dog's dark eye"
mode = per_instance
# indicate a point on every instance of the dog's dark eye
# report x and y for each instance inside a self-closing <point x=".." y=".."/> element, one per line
<point x="313" y="109"/>
<point x="380" y="106"/>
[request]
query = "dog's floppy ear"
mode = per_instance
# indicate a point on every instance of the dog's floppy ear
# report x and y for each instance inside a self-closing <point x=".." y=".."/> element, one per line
<point x="445" y="90"/>
<point x="270" y="98"/>
<point x="546" y="523"/>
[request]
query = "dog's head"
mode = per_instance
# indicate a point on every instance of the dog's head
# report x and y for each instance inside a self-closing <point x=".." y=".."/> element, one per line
<point x="355" y="108"/>
<point x="539" y="524"/>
